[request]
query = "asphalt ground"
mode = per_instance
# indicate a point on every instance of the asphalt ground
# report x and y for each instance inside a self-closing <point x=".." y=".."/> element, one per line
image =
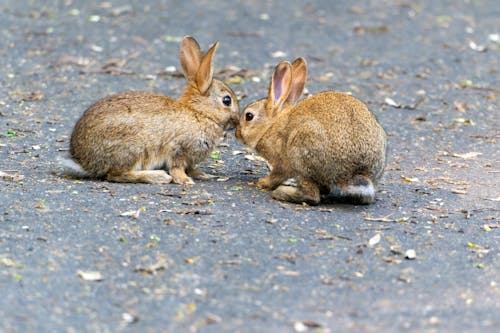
<point x="222" y="256"/>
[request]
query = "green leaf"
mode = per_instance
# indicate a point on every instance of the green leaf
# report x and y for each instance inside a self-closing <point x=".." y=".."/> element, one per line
<point x="172" y="39"/>
<point x="155" y="238"/>
<point x="215" y="155"/>
<point x="472" y="245"/>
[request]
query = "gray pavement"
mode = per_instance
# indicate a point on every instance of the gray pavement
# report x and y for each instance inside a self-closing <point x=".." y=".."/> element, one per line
<point x="222" y="256"/>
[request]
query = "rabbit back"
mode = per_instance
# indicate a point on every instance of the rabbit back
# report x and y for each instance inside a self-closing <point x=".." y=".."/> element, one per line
<point x="136" y="131"/>
<point x="331" y="137"/>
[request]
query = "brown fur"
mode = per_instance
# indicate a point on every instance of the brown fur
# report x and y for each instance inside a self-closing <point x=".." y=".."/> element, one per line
<point x="125" y="136"/>
<point x="329" y="142"/>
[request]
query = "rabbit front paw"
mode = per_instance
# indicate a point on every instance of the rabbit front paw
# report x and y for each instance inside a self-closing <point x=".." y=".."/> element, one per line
<point x="198" y="174"/>
<point x="265" y="183"/>
<point x="179" y="177"/>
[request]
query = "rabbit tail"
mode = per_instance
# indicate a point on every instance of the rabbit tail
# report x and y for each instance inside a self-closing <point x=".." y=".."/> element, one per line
<point x="360" y="190"/>
<point x="68" y="167"/>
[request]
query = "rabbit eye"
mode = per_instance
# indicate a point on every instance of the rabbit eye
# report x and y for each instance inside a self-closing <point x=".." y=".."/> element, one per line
<point x="226" y="100"/>
<point x="248" y="116"/>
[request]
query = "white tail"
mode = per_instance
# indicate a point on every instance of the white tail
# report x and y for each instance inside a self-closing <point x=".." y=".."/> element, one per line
<point x="364" y="194"/>
<point x="68" y="167"/>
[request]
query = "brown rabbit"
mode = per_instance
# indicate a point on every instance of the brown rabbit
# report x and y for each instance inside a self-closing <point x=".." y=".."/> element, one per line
<point x="329" y="143"/>
<point x="127" y="136"/>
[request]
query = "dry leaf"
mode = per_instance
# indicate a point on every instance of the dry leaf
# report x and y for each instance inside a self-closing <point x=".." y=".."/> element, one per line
<point x="134" y="213"/>
<point x="191" y="260"/>
<point x="461" y="107"/>
<point x="379" y="219"/>
<point x="410" y="254"/>
<point x="468" y="156"/>
<point x="410" y="180"/>
<point x="278" y="54"/>
<point x="71" y="60"/>
<point x="153" y="268"/>
<point x="389" y="101"/>
<point x="238" y="152"/>
<point x="477" y="47"/>
<point x="374" y="240"/>
<point x="255" y="158"/>
<point x="90" y="275"/>
<point x="9" y="263"/>
<point x="11" y="177"/>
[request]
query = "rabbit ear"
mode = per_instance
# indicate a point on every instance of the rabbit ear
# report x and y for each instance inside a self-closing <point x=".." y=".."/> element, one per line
<point x="280" y="85"/>
<point x="190" y="55"/>
<point x="206" y="71"/>
<point x="299" y="77"/>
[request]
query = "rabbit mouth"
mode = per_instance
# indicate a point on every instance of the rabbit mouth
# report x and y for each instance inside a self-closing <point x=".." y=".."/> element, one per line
<point x="232" y="124"/>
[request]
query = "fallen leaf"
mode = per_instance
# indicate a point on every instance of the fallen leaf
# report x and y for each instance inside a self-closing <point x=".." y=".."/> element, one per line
<point x="172" y="39"/>
<point x="253" y="157"/>
<point x="215" y="154"/>
<point x="129" y="318"/>
<point x="237" y="152"/>
<point x="406" y="274"/>
<point x="379" y="219"/>
<point x="410" y="254"/>
<point x="389" y="101"/>
<point x="489" y="227"/>
<point x="11" y="177"/>
<point x="152" y="269"/>
<point x="192" y="260"/>
<point x="192" y="211"/>
<point x="302" y="326"/>
<point x="134" y="213"/>
<point x="409" y="179"/>
<point x="71" y="60"/>
<point x="392" y="260"/>
<point x="185" y="310"/>
<point x="278" y="54"/>
<point x="361" y="30"/>
<point x="9" y="263"/>
<point x="234" y="80"/>
<point x="468" y="156"/>
<point x="396" y="249"/>
<point x="374" y="240"/>
<point x="461" y="106"/>
<point x="90" y="275"/>
<point x="466" y="121"/>
<point x="477" y="47"/>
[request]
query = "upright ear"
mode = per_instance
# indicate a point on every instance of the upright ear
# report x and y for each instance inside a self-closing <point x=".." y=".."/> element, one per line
<point x="206" y="70"/>
<point x="299" y="77"/>
<point x="280" y="86"/>
<point x="190" y="55"/>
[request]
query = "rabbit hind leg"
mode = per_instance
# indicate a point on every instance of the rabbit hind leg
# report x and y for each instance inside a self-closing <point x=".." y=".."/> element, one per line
<point x="140" y="176"/>
<point x="306" y="191"/>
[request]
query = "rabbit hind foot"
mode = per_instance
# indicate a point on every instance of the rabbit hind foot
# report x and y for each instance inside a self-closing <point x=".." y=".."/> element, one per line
<point x="141" y="176"/>
<point x="305" y="192"/>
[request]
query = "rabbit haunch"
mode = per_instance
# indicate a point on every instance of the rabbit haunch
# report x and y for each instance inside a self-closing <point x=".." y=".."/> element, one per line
<point x="126" y="136"/>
